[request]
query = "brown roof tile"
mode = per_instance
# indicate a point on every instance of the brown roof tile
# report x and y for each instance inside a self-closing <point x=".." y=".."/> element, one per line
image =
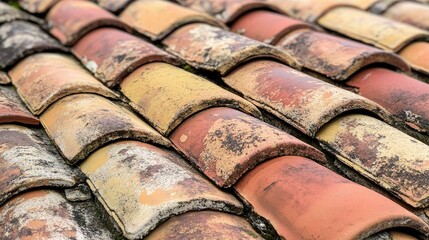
<point x="413" y="13"/>
<point x="96" y="121"/>
<point x="12" y="110"/>
<point x="114" y="57"/>
<point x="225" y="143"/>
<point x="37" y="6"/>
<point x="143" y="186"/>
<point x="178" y="93"/>
<point x="417" y="55"/>
<point x="304" y="200"/>
<point x="42" y="79"/>
<point x="8" y="14"/>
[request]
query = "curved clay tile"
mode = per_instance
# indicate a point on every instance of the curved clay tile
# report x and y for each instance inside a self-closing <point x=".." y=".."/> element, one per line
<point x="12" y="110"/>
<point x="225" y="143"/>
<point x="178" y="93"/>
<point x="27" y="162"/>
<point x="417" y="55"/>
<point x="20" y="39"/>
<point x="381" y="153"/>
<point x="113" y="58"/>
<point x="9" y="14"/>
<point x="157" y="18"/>
<point x="302" y="199"/>
<point x="113" y="5"/>
<point x="37" y="6"/>
<point x="70" y="20"/>
<point x="214" y="49"/>
<point x="96" y="121"/>
<point x="413" y="13"/>
<point x="42" y="79"/>
<point x="302" y="101"/>
<point x="143" y="186"/>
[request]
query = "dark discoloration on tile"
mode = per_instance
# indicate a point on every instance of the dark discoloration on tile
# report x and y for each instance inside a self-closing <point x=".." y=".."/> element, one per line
<point x="313" y="50"/>
<point x="20" y="39"/>
<point x="26" y="162"/>
<point x="37" y="6"/>
<point x="12" y="110"/>
<point x="96" y="121"/>
<point x="381" y="153"/>
<point x="214" y="49"/>
<point x="327" y="206"/>
<point x="413" y="13"/>
<point x="143" y="186"/>
<point x="70" y="20"/>
<point x="157" y="18"/>
<point x="8" y="14"/>
<point x="42" y="79"/>
<point x="225" y="143"/>
<point x="178" y="93"/>
<point x="417" y="55"/>
<point x="204" y="225"/>
<point x="302" y="101"/>
<point x="113" y="5"/>
<point x="113" y="58"/>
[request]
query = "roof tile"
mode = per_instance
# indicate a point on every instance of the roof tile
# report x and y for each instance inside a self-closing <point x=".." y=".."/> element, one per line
<point x="27" y="162"/>
<point x="214" y="49"/>
<point x="143" y="186"/>
<point x="113" y="58"/>
<point x="302" y="101"/>
<point x="8" y="14"/>
<point x="178" y="93"/>
<point x="12" y="110"/>
<point x="204" y="225"/>
<point x="388" y="157"/>
<point x="225" y="143"/>
<point x="44" y="78"/>
<point x="96" y="121"/>
<point x="157" y="18"/>
<point x="113" y="5"/>
<point x="37" y="6"/>
<point x="4" y="78"/>
<point x="20" y="39"/>
<point x="417" y="55"/>
<point x="413" y="13"/>
<point x="70" y="20"/>
<point x="319" y="209"/>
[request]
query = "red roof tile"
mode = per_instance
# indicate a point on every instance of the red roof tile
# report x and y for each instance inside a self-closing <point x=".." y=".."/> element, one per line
<point x="12" y="110"/>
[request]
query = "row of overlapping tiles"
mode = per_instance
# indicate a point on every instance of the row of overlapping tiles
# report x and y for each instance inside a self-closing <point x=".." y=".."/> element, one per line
<point x="141" y="184"/>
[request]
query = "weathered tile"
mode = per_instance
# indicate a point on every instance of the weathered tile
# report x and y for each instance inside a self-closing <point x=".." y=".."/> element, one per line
<point x="178" y="93"/>
<point x="413" y="13"/>
<point x="417" y="55"/>
<point x="96" y="121"/>
<point x="4" y="78"/>
<point x="45" y="214"/>
<point x="370" y="28"/>
<point x="214" y="49"/>
<point x="381" y="153"/>
<point x="267" y="27"/>
<point x="37" y="6"/>
<point x="12" y="110"/>
<point x="26" y="162"/>
<point x="113" y="5"/>
<point x="143" y="186"/>
<point x="407" y="98"/>
<point x="304" y="200"/>
<point x="313" y="50"/>
<point x="225" y="143"/>
<point x="8" y="14"/>
<point x="20" y="39"/>
<point x="302" y="101"/>
<point x="157" y="18"/>
<point x="44" y="78"/>
<point x="204" y="225"/>
<point x="70" y="20"/>
<point x="114" y="57"/>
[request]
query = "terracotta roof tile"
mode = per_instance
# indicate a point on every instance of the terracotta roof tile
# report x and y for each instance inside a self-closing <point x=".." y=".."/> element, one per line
<point x="12" y="110"/>
<point x="143" y="186"/>
<point x="204" y="225"/>
<point x="417" y="55"/>
<point x="179" y="93"/>
<point x="113" y="5"/>
<point x="392" y="159"/>
<point x="20" y="39"/>
<point x="326" y="206"/>
<point x="225" y="143"/>
<point x="70" y="20"/>
<point x="293" y="96"/>
<point x="9" y="14"/>
<point x="27" y="162"/>
<point x="37" y="6"/>
<point x="96" y="121"/>
<point x="114" y="57"/>
<point x="214" y="49"/>
<point x="413" y="13"/>
<point x="4" y="78"/>
<point x="44" y="78"/>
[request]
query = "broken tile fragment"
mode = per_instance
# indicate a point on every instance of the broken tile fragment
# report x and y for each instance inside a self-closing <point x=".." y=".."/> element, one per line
<point x="417" y="55"/>
<point x="178" y="93"/>
<point x="143" y="186"/>
<point x="96" y="121"/>
<point x="44" y="78"/>
<point x="225" y="143"/>
<point x="12" y="110"/>
<point x="327" y="205"/>
<point x="9" y="14"/>
<point x="413" y="13"/>
<point x="113" y="58"/>
<point x="37" y="6"/>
